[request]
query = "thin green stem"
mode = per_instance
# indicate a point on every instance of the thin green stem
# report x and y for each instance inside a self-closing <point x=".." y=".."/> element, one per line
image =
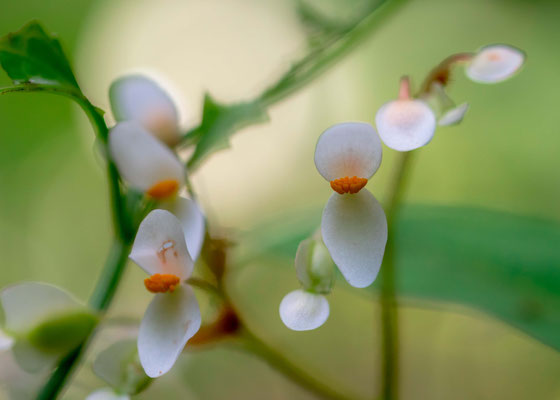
<point x="108" y="282"/>
<point x="254" y="345"/>
<point x="389" y="310"/>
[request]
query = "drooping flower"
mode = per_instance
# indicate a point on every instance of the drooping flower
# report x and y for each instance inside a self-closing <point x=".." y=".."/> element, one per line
<point x="144" y="162"/>
<point x="173" y="316"/>
<point x="139" y="98"/>
<point x="353" y="226"/>
<point x="308" y="308"/>
<point x="44" y="322"/>
<point x="495" y="63"/>
<point x="406" y="123"/>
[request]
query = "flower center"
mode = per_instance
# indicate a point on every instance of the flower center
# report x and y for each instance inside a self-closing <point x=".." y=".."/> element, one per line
<point x="163" y="189"/>
<point x="348" y="185"/>
<point x="161" y="283"/>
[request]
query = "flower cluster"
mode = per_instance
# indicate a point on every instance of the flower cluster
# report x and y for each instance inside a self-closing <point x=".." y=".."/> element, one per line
<point x="353" y="225"/>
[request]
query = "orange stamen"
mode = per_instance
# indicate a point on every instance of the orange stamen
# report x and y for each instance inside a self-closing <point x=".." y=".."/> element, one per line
<point x="348" y="185"/>
<point x="161" y="283"/>
<point x="163" y="189"/>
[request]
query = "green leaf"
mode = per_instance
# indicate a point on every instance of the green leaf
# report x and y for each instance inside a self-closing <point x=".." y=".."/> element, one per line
<point x="219" y="122"/>
<point x="503" y="264"/>
<point x="63" y="332"/>
<point x="119" y="366"/>
<point x="30" y="55"/>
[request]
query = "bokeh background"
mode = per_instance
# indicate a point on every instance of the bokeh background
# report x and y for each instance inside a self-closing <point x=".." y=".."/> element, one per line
<point x="54" y="217"/>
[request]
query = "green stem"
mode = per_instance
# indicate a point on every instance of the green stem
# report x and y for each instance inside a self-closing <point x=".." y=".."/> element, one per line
<point x="389" y="310"/>
<point x="256" y="346"/>
<point x="321" y="59"/>
<point x="108" y="282"/>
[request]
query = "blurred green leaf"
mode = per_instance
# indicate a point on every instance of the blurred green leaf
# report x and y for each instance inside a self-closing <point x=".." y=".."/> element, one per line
<point x="63" y="332"/>
<point x="119" y="366"/>
<point x="30" y="55"/>
<point x="503" y="264"/>
<point x="219" y="122"/>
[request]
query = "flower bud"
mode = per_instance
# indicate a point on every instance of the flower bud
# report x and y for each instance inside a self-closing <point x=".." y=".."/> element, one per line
<point x="314" y="266"/>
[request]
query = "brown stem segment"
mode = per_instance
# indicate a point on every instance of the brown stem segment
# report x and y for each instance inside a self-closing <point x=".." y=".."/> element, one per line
<point x="442" y="72"/>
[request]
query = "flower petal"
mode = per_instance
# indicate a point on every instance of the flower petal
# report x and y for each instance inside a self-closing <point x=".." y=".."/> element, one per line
<point x="27" y="304"/>
<point x="6" y="341"/>
<point x="348" y="149"/>
<point x="495" y="63"/>
<point x="354" y="230"/>
<point x="405" y="124"/>
<point x="454" y="115"/>
<point x="304" y="311"/>
<point x="192" y="220"/>
<point x="170" y="321"/>
<point x="142" y="160"/>
<point x="159" y="246"/>
<point x="138" y="98"/>
<point x="106" y="394"/>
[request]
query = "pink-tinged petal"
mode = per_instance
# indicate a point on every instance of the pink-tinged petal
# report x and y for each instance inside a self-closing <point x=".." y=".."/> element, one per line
<point x="405" y="125"/>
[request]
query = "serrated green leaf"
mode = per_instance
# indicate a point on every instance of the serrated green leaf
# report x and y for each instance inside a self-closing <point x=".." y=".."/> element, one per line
<point x="30" y="55"/>
<point x="219" y="122"/>
<point x="503" y="264"/>
<point x="63" y="332"/>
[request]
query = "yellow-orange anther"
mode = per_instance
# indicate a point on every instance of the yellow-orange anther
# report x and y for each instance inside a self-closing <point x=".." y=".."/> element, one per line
<point x="161" y="283"/>
<point x="348" y="185"/>
<point x="163" y="189"/>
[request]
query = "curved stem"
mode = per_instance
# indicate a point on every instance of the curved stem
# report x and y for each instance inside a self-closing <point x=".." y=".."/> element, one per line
<point x="389" y="310"/>
<point x="256" y="346"/>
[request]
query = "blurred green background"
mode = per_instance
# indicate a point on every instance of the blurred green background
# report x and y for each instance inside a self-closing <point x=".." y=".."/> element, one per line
<point x="54" y="215"/>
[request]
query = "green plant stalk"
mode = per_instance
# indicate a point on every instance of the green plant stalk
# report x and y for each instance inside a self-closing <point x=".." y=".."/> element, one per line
<point x="108" y="282"/>
<point x="254" y="345"/>
<point x="389" y="308"/>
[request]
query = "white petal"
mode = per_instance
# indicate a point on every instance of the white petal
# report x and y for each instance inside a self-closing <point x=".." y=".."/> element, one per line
<point x="159" y="246"/>
<point x="304" y="311"/>
<point x="6" y="341"/>
<point x="348" y="149"/>
<point x="106" y="394"/>
<point x="138" y="98"/>
<point x="142" y="160"/>
<point x="495" y="63"/>
<point x="192" y="220"/>
<point x="170" y="321"/>
<point x="27" y="304"/>
<point x="354" y="230"/>
<point x="405" y="124"/>
<point x="454" y="116"/>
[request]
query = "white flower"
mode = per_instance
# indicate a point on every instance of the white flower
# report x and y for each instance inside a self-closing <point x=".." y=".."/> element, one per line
<point x="353" y="226"/>
<point x="145" y="162"/>
<point x="173" y="316"/>
<point x="36" y="316"/>
<point x="405" y="124"/>
<point x="495" y="63"/>
<point x="138" y="98"/>
<point x="454" y="115"/>
<point x="307" y="309"/>
<point x="301" y="310"/>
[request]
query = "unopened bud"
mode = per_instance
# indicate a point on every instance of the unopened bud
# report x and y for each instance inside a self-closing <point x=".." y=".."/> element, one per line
<point x="314" y="266"/>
